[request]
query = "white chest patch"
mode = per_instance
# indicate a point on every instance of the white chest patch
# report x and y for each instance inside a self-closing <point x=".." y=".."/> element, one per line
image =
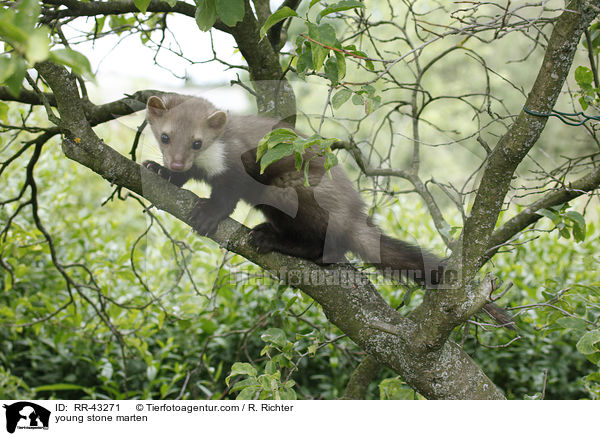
<point x="212" y="160"/>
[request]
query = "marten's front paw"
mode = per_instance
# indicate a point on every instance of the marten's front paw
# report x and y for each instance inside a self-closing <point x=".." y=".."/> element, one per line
<point x="204" y="218"/>
<point x="157" y="168"/>
<point x="177" y="178"/>
<point x="263" y="238"/>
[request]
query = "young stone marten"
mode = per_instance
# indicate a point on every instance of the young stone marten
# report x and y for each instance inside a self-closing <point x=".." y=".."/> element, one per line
<point x="320" y="222"/>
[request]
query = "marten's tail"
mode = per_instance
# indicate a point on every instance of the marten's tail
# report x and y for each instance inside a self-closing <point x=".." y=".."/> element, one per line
<point x="399" y="259"/>
<point x="409" y="261"/>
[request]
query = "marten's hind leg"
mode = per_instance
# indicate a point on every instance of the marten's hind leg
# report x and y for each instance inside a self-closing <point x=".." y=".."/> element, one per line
<point x="266" y="238"/>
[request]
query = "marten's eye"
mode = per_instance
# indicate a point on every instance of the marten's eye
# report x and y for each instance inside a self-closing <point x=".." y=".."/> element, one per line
<point x="164" y="138"/>
<point x="197" y="144"/>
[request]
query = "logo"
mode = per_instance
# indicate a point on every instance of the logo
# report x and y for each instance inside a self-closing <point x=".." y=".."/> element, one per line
<point x="26" y="415"/>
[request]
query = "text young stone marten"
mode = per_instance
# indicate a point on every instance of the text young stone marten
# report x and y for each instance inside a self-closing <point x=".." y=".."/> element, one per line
<point x="320" y="222"/>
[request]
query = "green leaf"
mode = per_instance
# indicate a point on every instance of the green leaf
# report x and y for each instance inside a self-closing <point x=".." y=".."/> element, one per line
<point x="241" y="368"/>
<point x="341" y="61"/>
<point x="548" y="214"/>
<point x="3" y="117"/>
<point x="274" y="138"/>
<point x="579" y="233"/>
<point x="59" y="387"/>
<point x="331" y="160"/>
<point x="369" y="89"/>
<point x="142" y="5"/>
<point x="579" y="226"/>
<point x="151" y="372"/>
<point x="249" y="382"/>
<point x="73" y="59"/>
<point x="15" y="81"/>
<point x="99" y="25"/>
<point x="27" y="14"/>
<point x="319" y="53"/>
<point x="331" y="70"/>
<point x="7" y="68"/>
<point x="583" y="103"/>
<point x="563" y="231"/>
<point x="298" y="159"/>
<point x="572" y="323"/>
<point x="10" y="32"/>
<point x="340" y="98"/>
<point x="586" y="344"/>
<point x="279" y="15"/>
<point x="327" y="36"/>
<point x="338" y="7"/>
<point x="248" y="393"/>
<point x="584" y="76"/>
<point x="230" y="11"/>
<point x="576" y="217"/>
<point x="312" y="3"/>
<point x="305" y="59"/>
<point x="288" y="394"/>
<point x="306" y="173"/>
<point x="357" y="100"/>
<point x="38" y="45"/>
<point x="206" y="14"/>
<point x="275" y="336"/>
<point x="274" y="154"/>
<point x="373" y="103"/>
<point x="270" y="367"/>
<point x="171" y="3"/>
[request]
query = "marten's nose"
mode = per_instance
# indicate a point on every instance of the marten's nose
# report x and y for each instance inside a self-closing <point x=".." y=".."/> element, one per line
<point x="177" y="166"/>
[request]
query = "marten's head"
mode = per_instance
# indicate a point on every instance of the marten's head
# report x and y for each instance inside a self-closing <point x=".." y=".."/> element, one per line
<point x="187" y="130"/>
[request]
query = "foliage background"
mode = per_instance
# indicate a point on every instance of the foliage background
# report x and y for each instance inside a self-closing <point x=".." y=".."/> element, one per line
<point x="196" y="321"/>
<point x="203" y="329"/>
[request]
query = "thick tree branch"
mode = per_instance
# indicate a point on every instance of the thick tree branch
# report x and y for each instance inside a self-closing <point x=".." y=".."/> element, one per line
<point x="349" y="300"/>
<point x="274" y="95"/>
<point x="25" y="96"/>
<point x="95" y="114"/>
<point x="523" y="134"/>
<point x="444" y="309"/>
<point x="90" y="9"/>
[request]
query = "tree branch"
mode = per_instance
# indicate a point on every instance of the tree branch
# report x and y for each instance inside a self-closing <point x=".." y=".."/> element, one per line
<point x="118" y="7"/>
<point x="25" y="96"/>
<point x="519" y="222"/>
<point x="362" y="376"/>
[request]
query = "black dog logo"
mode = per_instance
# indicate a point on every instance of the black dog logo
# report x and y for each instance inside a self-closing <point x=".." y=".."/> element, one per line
<point x="27" y="415"/>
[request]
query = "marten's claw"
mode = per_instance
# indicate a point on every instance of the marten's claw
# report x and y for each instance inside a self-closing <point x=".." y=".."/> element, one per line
<point x="262" y="238"/>
<point x="203" y="218"/>
<point x="157" y="168"/>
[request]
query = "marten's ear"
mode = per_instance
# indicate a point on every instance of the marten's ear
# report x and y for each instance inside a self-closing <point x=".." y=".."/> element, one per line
<point x="217" y="120"/>
<point x="156" y="106"/>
